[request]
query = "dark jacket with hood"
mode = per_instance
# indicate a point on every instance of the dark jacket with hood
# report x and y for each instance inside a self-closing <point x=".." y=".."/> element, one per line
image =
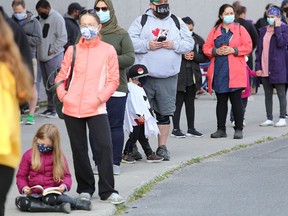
<point x="190" y="73"/>
<point x="73" y="30"/>
<point x="21" y="41"/>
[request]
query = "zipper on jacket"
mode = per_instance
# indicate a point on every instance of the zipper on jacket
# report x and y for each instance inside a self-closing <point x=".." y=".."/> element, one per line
<point x="83" y="82"/>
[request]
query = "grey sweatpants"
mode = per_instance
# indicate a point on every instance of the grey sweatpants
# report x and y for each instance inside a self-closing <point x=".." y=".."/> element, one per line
<point x="46" y="69"/>
<point x="268" y="90"/>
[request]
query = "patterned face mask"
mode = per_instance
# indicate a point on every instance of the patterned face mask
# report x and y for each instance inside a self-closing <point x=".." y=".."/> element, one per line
<point x="44" y="149"/>
<point x="89" y="32"/>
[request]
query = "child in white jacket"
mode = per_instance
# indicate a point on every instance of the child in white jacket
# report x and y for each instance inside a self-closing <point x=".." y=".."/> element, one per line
<point x="138" y="120"/>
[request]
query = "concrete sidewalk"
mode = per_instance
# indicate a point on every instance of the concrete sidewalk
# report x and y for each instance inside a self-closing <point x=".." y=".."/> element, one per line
<point x="136" y="175"/>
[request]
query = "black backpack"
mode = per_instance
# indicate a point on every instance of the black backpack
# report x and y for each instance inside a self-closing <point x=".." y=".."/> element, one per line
<point x="175" y="19"/>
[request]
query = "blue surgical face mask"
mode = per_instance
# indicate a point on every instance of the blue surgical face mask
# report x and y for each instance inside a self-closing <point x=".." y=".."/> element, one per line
<point x="271" y="21"/>
<point x="104" y="16"/>
<point x="89" y="32"/>
<point x="229" y="19"/>
<point x="20" y="16"/>
<point x="44" y="149"/>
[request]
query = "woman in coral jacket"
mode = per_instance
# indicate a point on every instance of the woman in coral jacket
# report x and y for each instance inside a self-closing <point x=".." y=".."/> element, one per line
<point x="226" y="46"/>
<point x="95" y="78"/>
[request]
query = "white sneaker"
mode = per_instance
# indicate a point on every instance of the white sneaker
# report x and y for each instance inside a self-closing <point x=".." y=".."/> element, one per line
<point x="267" y="123"/>
<point x="115" y="199"/>
<point x="84" y="196"/>
<point x="281" y="123"/>
<point x="116" y="169"/>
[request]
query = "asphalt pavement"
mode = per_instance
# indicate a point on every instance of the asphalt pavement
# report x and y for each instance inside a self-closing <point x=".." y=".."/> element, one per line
<point x="136" y="175"/>
<point x="251" y="181"/>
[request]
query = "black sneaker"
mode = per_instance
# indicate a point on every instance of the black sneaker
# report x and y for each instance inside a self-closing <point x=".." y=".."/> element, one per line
<point x="238" y="134"/>
<point x="136" y="154"/>
<point x="163" y="152"/>
<point x="127" y="158"/>
<point x="194" y="133"/>
<point x="177" y="133"/>
<point x="49" y="113"/>
<point x="153" y="158"/>
<point x="219" y="134"/>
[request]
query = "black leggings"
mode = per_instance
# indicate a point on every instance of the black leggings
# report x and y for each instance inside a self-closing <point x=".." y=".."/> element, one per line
<point x="138" y="134"/>
<point x="222" y="109"/>
<point x="6" y="179"/>
<point x="187" y="97"/>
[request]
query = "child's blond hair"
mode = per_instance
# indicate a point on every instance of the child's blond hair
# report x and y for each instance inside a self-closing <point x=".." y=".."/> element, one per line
<point x="49" y="131"/>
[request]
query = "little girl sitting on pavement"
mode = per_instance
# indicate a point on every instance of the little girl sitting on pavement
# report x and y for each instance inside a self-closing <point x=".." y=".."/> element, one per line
<point x="44" y="165"/>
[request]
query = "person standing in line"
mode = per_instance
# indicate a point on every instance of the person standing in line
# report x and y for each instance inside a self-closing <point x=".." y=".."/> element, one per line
<point x="139" y="121"/>
<point x="118" y="37"/>
<point x="226" y="45"/>
<point x="72" y="23"/>
<point x="260" y="23"/>
<point x="241" y="12"/>
<point x="15" y="88"/>
<point x="32" y="28"/>
<point x="263" y="20"/>
<point x="50" y="51"/>
<point x="45" y="165"/>
<point x="245" y="94"/>
<point x="189" y="81"/>
<point x="159" y="44"/>
<point x="271" y="64"/>
<point x="23" y="45"/>
<point x="284" y="8"/>
<point x="84" y="104"/>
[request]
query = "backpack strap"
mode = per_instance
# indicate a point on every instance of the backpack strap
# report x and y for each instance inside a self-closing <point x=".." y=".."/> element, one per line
<point x="143" y="19"/>
<point x="145" y="16"/>
<point x="176" y="21"/>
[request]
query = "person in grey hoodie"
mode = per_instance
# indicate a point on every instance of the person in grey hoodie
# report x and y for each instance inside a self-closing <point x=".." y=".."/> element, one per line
<point x="159" y="45"/>
<point x="32" y="28"/>
<point x="50" y="52"/>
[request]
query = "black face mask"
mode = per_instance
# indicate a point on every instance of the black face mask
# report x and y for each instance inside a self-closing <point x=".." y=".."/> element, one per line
<point x="162" y="11"/>
<point x="142" y="80"/>
<point x="43" y="15"/>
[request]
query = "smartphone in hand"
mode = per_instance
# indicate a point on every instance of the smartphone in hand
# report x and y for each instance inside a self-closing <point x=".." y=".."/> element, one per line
<point x="161" y="38"/>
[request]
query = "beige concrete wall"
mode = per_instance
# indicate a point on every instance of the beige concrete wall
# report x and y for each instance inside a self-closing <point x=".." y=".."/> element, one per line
<point x="203" y="12"/>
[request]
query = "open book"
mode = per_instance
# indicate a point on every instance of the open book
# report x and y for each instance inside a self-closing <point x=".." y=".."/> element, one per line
<point x="46" y="191"/>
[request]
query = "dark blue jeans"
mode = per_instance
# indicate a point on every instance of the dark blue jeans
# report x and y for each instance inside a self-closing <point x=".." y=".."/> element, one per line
<point x="116" y="111"/>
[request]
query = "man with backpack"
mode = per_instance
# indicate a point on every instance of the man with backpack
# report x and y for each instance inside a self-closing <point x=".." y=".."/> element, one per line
<point x="159" y="39"/>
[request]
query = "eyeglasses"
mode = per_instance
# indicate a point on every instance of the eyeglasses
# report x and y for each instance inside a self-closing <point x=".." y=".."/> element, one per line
<point x="104" y="9"/>
<point x="89" y="11"/>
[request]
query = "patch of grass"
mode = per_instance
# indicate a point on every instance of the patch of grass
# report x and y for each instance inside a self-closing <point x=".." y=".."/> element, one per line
<point x="142" y="191"/>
